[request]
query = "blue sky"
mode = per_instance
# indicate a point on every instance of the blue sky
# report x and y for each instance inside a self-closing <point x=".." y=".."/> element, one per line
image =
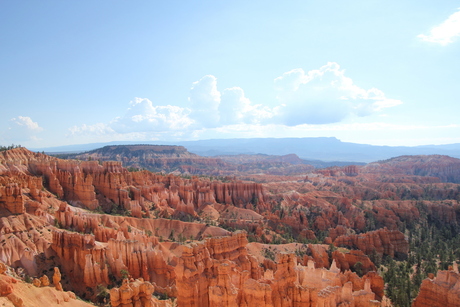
<point x="373" y="72"/>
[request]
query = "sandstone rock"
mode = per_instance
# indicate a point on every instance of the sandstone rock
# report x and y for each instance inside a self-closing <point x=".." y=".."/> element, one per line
<point x="443" y="290"/>
<point x="11" y="198"/>
<point x="347" y="261"/>
<point x="93" y="249"/>
<point x="3" y="268"/>
<point x="382" y="241"/>
<point x="57" y="279"/>
<point x="44" y="280"/>
<point x="6" y="287"/>
<point x="133" y="293"/>
<point x="17" y="301"/>
<point x="443" y="167"/>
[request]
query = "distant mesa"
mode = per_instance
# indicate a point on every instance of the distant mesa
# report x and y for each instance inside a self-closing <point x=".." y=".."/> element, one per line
<point x="309" y="148"/>
<point x="158" y="158"/>
<point x="178" y="160"/>
<point x="137" y="151"/>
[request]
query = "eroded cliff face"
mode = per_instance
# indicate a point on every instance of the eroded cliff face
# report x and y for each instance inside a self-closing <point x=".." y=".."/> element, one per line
<point x="111" y="187"/>
<point x="384" y="242"/>
<point x="136" y="293"/>
<point x="100" y="224"/>
<point x="442" y="290"/>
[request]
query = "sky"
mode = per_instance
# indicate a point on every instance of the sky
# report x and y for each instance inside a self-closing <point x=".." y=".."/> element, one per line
<point x="370" y="72"/>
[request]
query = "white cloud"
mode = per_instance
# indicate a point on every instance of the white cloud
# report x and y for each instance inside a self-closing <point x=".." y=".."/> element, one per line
<point x="210" y="108"/>
<point x="445" y="33"/>
<point x="204" y="100"/>
<point x="22" y="128"/>
<point x="142" y="121"/>
<point x="235" y="108"/>
<point x="26" y="123"/>
<point x="324" y="96"/>
<point x="143" y="116"/>
<point x="98" y="129"/>
<point x="307" y="102"/>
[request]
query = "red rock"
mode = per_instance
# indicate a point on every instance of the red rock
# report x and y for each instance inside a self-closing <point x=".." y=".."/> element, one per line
<point x="57" y="279"/>
<point x="443" y="290"/>
<point x="347" y="261"/>
<point x="382" y="241"/>
<point x="5" y="287"/>
<point x="11" y="197"/>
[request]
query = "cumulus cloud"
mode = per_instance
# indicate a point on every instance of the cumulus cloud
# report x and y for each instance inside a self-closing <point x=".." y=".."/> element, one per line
<point x="325" y="96"/>
<point x="236" y="108"/>
<point x="143" y="116"/>
<point x="315" y="97"/>
<point x="210" y="108"/>
<point x="204" y="100"/>
<point x="22" y="128"/>
<point x="141" y="121"/>
<point x="445" y="33"/>
<point x="98" y="129"/>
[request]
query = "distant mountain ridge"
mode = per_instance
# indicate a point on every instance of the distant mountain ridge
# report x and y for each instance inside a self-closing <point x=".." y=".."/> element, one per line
<point x="322" y="148"/>
<point x="141" y="149"/>
<point x="176" y="159"/>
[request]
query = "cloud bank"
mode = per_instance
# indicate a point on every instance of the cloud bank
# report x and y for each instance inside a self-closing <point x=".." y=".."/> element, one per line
<point x="142" y="115"/>
<point x="325" y="96"/>
<point x="316" y="97"/>
<point x="23" y="128"/>
<point x="445" y="33"/>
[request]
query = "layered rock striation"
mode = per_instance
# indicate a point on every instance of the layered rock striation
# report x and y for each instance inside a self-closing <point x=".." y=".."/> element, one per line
<point x="442" y="290"/>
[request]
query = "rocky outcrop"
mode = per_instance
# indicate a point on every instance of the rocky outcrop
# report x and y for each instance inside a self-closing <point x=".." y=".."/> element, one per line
<point x="214" y="272"/>
<point x="241" y="282"/>
<point x="446" y="168"/>
<point x="111" y="187"/>
<point x="24" y="237"/>
<point x="136" y="293"/>
<point x="162" y="231"/>
<point x="382" y="241"/>
<point x="11" y="198"/>
<point x="15" y="292"/>
<point x="355" y="260"/>
<point x="442" y="290"/>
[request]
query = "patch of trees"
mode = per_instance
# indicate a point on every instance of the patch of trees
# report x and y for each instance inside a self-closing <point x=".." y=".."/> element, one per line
<point x="12" y="146"/>
<point x="433" y="246"/>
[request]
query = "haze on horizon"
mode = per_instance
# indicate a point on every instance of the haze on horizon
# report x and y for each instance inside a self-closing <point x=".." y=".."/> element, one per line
<point x="380" y="72"/>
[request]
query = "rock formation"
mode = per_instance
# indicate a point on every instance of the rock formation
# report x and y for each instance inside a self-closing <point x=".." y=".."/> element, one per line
<point x="136" y="293"/>
<point x="442" y="290"/>
<point x="15" y="292"/>
<point x="446" y="168"/>
<point x="382" y="241"/>
<point x="57" y="279"/>
<point x="97" y="223"/>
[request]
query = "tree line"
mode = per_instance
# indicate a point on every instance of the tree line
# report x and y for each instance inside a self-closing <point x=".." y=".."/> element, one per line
<point x="12" y="146"/>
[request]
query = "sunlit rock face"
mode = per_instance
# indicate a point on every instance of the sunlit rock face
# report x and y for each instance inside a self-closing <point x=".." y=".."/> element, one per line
<point x="382" y="241"/>
<point x="100" y="224"/>
<point x="442" y="290"/>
